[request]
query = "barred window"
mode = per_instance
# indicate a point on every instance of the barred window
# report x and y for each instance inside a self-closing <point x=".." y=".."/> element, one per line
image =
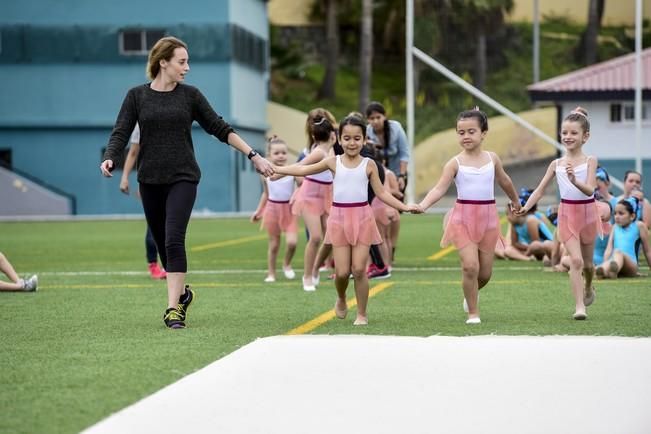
<point x="248" y="48"/>
<point x="137" y="42"/>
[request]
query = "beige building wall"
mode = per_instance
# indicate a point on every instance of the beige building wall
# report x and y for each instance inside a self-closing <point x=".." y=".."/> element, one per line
<point x="295" y="12"/>
<point x="289" y="12"/>
<point x="617" y="11"/>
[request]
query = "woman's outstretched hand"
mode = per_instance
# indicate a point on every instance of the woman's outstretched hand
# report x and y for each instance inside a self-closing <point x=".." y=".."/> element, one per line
<point x="263" y="166"/>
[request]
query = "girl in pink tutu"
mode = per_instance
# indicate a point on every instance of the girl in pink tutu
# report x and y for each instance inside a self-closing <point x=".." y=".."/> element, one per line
<point x="578" y="217"/>
<point x="472" y="226"/>
<point x="351" y="225"/>
<point x="276" y="213"/>
<point x="313" y="199"/>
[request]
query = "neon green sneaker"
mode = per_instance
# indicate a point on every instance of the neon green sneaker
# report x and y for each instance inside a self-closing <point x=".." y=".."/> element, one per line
<point x="184" y="302"/>
<point x="173" y="318"/>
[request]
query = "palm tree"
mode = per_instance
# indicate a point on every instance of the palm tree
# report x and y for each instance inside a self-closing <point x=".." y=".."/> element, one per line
<point x="586" y="51"/>
<point x="365" y="54"/>
<point x="328" y="86"/>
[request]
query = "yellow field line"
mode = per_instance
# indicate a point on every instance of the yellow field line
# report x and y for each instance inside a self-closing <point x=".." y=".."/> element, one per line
<point x="441" y="253"/>
<point x="449" y="249"/>
<point x="228" y="243"/>
<point x="327" y="316"/>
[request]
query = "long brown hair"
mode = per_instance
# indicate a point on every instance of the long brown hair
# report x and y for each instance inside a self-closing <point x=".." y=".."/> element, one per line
<point x="163" y="49"/>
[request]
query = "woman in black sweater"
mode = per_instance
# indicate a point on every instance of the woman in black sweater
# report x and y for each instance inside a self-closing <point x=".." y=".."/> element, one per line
<point x="168" y="172"/>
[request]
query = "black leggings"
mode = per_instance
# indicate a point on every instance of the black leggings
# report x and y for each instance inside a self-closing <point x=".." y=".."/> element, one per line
<point x="150" y="247"/>
<point x="167" y="210"/>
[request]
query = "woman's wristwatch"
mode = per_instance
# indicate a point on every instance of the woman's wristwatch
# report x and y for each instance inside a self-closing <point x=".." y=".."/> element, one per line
<point x="252" y="154"/>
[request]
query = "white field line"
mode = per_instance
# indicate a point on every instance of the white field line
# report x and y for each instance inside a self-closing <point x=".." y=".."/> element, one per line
<point x="241" y="271"/>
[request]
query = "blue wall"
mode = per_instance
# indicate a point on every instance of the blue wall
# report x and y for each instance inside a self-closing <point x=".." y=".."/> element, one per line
<point x="59" y="103"/>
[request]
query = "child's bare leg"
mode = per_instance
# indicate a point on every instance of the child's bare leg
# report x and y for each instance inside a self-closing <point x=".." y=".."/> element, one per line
<point x="629" y="267"/>
<point x="395" y="232"/>
<point x="8" y="269"/>
<point x="614" y="266"/>
<point x="313" y="224"/>
<point x="290" y="248"/>
<point x="485" y="269"/>
<point x="342" y="257"/>
<point x="321" y="257"/>
<point x="385" y="251"/>
<point x="16" y="283"/>
<point x="470" y="272"/>
<point x="358" y="268"/>
<point x="588" y="273"/>
<point x="515" y="254"/>
<point x="272" y="255"/>
<point x="576" y="279"/>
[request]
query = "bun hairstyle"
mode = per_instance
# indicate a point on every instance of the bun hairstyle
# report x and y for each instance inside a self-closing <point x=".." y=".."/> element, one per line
<point x="311" y="116"/>
<point x="321" y="128"/>
<point x="579" y="115"/>
<point x="274" y="140"/>
<point x="475" y="113"/>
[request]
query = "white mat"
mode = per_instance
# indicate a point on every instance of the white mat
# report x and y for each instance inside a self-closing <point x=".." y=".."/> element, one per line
<point x="373" y="384"/>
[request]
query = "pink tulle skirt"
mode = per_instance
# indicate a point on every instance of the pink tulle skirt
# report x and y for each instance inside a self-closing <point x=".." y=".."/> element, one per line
<point x="313" y="197"/>
<point x="384" y="214"/>
<point x="579" y="219"/>
<point x="352" y="225"/>
<point x="278" y="218"/>
<point x="474" y="222"/>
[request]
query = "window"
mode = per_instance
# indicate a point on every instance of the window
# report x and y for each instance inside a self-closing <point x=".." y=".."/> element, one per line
<point x="615" y="113"/>
<point x="135" y="42"/>
<point x="625" y="112"/>
<point x="5" y="158"/>
<point x="248" y="48"/>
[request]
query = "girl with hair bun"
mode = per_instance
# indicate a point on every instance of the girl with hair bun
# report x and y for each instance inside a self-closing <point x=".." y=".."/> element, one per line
<point x="578" y="217"/>
<point x="472" y="226"/>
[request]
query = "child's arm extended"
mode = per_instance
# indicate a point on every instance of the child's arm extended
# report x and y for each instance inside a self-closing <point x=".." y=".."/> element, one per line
<point x="441" y="187"/>
<point x="644" y="238"/>
<point x="298" y="169"/>
<point x="257" y="215"/>
<point x="505" y="183"/>
<point x="540" y="190"/>
<point x="382" y="193"/>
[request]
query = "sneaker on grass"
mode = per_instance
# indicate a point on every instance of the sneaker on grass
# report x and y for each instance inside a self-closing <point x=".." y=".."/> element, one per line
<point x="31" y="284"/>
<point x="173" y="319"/>
<point x="184" y="302"/>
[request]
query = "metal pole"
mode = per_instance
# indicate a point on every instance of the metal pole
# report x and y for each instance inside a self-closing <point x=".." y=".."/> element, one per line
<point x="536" y="42"/>
<point x="409" y="81"/>
<point x="638" y="86"/>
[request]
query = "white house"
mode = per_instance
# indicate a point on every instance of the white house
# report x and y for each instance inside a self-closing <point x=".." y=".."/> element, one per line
<point x="606" y="90"/>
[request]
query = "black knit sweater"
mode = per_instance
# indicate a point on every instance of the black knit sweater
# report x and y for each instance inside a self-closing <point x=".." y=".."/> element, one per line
<point x="165" y="120"/>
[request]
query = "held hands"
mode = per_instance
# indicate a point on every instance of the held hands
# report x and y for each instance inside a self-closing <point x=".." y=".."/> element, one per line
<point x="517" y="209"/>
<point x="106" y="168"/>
<point x="262" y="166"/>
<point x="414" y="208"/>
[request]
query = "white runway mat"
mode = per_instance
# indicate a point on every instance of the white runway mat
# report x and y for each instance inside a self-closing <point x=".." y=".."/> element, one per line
<point x="396" y="385"/>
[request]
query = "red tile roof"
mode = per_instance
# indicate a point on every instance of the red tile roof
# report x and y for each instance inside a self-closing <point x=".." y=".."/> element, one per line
<point x="613" y="75"/>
